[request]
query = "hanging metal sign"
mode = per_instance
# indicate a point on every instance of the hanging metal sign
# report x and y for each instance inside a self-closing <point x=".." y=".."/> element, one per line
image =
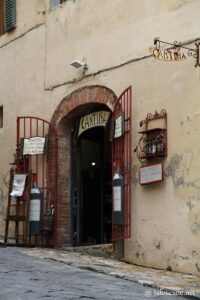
<point x="167" y="55"/>
<point x="174" y="53"/>
<point x="33" y="146"/>
<point x="95" y="119"/>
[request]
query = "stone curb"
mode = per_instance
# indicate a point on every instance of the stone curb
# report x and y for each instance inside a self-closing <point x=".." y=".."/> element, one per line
<point x="180" y="292"/>
<point x="183" y="293"/>
<point x="93" y="264"/>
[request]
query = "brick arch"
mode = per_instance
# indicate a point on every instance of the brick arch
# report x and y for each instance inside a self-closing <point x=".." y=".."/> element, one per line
<point x="85" y="95"/>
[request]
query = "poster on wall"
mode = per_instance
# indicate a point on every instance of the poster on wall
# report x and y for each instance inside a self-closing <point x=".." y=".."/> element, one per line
<point x="151" y="174"/>
<point x="119" y="126"/>
<point x="18" y="185"/>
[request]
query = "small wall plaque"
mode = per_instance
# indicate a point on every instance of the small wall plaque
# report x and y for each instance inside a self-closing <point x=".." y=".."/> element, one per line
<point x="151" y="174"/>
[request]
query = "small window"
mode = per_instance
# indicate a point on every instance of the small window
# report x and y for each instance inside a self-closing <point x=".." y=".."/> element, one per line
<point x="55" y="3"/>
<point x="1" y="18"/>
<point x="7" y="15"/>
<point x="1" y="116"/>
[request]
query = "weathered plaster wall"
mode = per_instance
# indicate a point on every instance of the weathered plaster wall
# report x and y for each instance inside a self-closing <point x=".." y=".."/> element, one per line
<point x="166" y="215"/>
<point x="109" y="33"/>
<point x="29" y="14"/>
<point x="35" y="76"/>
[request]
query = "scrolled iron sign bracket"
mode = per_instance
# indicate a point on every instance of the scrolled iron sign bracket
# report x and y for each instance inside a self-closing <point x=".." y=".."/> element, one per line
<point x="191" y="52"/>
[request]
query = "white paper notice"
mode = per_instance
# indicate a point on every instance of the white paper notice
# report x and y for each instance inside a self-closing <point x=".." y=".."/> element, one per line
<point x="118" y="127"/>
<point x="34" y="145"/>
<point x="18" y="185"/>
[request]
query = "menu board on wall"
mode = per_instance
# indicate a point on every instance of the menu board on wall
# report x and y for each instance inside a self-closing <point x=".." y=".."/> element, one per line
<point x="119" y="126"/>
<point x="33" y="146"/>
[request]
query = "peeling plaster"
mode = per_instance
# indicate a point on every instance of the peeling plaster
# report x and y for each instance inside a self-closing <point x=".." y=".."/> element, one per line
<point x="139" y="251"/>
<point x="192" y="184"/>
<point x="189" y="205"/>
<point x="158" y="246"/>
<point x="179" y="181"/>
<point x="173" y="170"/>
<point x="194" y="253"/>
<point x="173" y="166"/>
<point x="181" y="123"/>
<point x="195" y="228"/>
<point x="197" y="266"/>
<point x="184" y="257"/>
<point x="134" y="174"/>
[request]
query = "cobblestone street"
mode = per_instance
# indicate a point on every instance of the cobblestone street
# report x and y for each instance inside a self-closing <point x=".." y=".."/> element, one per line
<point x="27" y="277"/>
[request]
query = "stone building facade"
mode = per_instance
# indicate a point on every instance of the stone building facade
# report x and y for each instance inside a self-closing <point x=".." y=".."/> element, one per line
<point x="112" y="38"/>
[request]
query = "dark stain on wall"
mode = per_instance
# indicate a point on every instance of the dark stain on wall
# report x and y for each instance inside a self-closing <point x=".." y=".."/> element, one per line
<point x="169" y="268"/>
<point x="173" y="166"/>
<point x="158" y="246"/>
<point x="197" y="266"/>
<point x="179" y="181"/>
<point x="184" y="257"/>
<point x="189" y="205"/>
<point x="195" y="227"/>
<point x="139" y="251"/>
<point x="134" y="174"/>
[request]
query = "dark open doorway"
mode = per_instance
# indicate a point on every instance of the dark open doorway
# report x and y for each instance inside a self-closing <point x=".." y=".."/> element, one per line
<point x="92" y="188"/>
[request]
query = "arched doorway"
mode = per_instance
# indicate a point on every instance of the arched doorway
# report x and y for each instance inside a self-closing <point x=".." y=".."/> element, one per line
<point x="83" y="102"/>
<point x="91" y="173"/>
<point x="83" y="208"/>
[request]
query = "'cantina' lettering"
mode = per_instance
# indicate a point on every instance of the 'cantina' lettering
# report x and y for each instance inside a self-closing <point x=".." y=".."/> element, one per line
<point x="99" y="118"/>
<point x="167" y="55"/>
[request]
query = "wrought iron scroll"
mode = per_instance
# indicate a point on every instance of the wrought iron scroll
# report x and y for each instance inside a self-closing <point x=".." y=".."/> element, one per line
<point x="177" y="46"/>
<point x="152" y="145"/>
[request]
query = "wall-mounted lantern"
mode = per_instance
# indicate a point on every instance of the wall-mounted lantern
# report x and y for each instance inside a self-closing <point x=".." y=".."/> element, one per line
<point x="152" y="147"/>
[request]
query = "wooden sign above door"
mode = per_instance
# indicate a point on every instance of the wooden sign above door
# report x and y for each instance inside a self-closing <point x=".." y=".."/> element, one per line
<point x="151" y="174"/>
<point x="95" y="119"/>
